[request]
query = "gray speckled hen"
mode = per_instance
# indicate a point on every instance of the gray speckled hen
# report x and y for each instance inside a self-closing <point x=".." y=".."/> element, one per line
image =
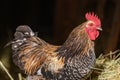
<point x="73" y="60"/>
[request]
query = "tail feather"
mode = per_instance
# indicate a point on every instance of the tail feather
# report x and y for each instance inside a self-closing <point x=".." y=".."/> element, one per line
<point x="21" y="36"/>
<point x="30" y="53"/>
<point x="18" y="35"/>
<point x="22" y="33"/>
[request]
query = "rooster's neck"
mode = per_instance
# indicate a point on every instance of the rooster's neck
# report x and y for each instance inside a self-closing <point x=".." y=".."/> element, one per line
<point x="78" y="43"/>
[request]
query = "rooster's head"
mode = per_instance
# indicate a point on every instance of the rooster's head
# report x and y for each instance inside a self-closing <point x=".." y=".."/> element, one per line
<point x="93" y="25"/>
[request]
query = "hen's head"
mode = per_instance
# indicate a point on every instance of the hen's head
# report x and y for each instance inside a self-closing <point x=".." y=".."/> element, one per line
<point x="93" y="25"/>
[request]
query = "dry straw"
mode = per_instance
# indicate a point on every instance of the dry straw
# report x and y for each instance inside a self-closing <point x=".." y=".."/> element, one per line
<point x="108" y="67"/>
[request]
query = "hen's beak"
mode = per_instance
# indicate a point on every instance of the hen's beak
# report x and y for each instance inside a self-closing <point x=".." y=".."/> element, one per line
<point x="99" y="28"/>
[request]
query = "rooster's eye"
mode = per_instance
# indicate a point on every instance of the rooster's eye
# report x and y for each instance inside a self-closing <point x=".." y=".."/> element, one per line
<point x="90" y="24"/>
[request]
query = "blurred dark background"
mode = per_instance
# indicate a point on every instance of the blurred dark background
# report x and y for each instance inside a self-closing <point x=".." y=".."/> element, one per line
<point x="54" y="20"/>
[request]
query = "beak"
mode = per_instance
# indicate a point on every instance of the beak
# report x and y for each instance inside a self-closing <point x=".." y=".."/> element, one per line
<point x="99" y="28"/>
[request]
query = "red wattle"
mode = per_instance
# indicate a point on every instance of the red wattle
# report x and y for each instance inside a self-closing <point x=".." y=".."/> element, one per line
<point x="93" y="34"/>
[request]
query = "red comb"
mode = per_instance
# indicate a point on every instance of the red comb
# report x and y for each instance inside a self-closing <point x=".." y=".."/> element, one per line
<point x="93" y="17"/>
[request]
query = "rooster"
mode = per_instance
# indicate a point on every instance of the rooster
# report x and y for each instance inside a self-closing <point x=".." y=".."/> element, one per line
<point x="73" y="60"/>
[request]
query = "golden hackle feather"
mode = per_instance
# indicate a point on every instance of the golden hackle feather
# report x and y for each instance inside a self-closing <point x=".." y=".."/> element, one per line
<point x="78" y="43"/>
